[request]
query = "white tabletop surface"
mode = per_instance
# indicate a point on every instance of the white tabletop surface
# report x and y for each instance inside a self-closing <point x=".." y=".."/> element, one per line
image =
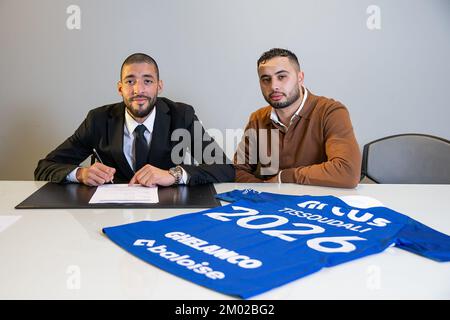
<point x="62" y="254"/>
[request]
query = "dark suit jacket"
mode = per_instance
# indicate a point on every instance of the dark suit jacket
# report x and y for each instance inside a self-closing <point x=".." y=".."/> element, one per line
<point x="103" y="130"/>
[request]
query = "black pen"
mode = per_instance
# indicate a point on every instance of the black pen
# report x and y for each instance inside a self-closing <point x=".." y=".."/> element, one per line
<point x="99" y="159"/>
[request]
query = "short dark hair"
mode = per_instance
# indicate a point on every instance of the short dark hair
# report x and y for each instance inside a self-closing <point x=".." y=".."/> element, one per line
<point x="139" y="58"/>
<point x="278" y="52"/>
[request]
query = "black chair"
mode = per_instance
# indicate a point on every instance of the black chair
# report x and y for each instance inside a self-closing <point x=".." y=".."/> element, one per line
<point x="407" y="158"/>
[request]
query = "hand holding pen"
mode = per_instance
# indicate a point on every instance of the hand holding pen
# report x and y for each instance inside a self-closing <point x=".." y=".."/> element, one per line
<point x="108" y="168"/>
<point x="97" y="174"/>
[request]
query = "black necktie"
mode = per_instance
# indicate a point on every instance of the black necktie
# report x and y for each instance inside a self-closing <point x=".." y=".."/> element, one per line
<point x="140" y="147"/>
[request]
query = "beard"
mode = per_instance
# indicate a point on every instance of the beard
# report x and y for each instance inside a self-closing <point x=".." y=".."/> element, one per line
<point x="143" y="109"/>
<point x="290" y="99"/>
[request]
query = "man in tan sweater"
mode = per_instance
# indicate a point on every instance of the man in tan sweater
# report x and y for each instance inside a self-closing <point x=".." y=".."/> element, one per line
<point x="300" y="137"/>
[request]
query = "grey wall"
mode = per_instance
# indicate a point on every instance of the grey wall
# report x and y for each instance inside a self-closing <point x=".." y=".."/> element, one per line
<point x="393" y="80"/>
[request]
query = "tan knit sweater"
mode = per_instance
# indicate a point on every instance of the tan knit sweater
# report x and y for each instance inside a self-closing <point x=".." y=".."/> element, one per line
<point x="318" y="148"/>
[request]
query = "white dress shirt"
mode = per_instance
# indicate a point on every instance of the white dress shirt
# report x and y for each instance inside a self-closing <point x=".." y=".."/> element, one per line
<point x="129" y="136"/>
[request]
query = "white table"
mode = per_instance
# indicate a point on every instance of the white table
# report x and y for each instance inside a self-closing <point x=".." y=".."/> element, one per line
<point x="62" y="254"/>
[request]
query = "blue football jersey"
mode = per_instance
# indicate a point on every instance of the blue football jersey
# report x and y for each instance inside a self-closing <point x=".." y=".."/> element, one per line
<point x="263" y="240"/>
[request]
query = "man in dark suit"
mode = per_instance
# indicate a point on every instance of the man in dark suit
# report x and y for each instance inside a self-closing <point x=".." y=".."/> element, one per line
<point x="136" y="140"/>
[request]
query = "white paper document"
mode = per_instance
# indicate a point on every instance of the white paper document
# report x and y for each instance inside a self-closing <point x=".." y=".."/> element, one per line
<point x="122" y="193"/>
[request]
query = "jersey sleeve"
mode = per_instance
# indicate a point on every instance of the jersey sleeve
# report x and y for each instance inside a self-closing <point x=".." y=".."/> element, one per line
<point x="425" y="241"/>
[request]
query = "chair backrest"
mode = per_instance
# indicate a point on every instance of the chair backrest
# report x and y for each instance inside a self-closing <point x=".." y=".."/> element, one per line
<point x="408" y="158"/>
